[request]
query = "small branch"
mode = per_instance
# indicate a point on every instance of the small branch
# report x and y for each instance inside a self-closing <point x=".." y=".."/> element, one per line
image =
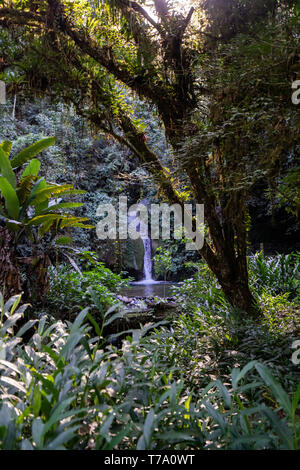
<point x="139" y="9"/>
<point x="187" y="20"/>
<point x="137" y="27"/>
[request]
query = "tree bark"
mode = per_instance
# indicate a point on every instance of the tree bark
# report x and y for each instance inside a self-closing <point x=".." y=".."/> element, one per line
<point x="240" y="297"/>
<point x="10" y="279"/>
<point x="36" y="270"/>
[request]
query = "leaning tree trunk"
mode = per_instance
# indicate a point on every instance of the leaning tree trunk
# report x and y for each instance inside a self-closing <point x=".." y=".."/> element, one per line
<point x="10" y="279"/>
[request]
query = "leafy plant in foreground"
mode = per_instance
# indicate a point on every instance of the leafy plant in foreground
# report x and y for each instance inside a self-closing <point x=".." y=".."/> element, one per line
<point x="278" y="274"/>
<point x="29" y="212"/>
<point x="61" y="390"/>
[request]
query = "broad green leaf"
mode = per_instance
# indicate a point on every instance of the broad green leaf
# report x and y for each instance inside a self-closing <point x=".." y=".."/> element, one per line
<point x="48" y="192"/>
<point x="257" y="439"/>
<point x="12" y="303"/>
<point x="45" y="227"/>
<point x="238" y="374"/>
<point x="12" y="319"/>
<point x="8" y="365"/>
<point x="296" y="399"/>
<point x="117" y="439"/>
<point x="68" y="220"/>
<point x="6" y="169"/>
<point x="106" y="425"/>
<point x="41" y="219"/>
<point x="95" y="324"/>
<point x="13" y="383"/>
<point x="73" y="340"/>
<point x="279" y="394"/>
<point x="37" y="401"/>
<point x="6" y="146"/>
<point x="37" y="432"/>
<point x="31" y="151"/>
<point x="218" y="417"/>
<point x="114" y="317"/>
<point x="56" y="414"/>
<point x="280" y="427"/>
<point x="225" y="393"/>
<point x="38" y="185"/>
<point x="178" y="436"/>
<point x="62" y="438"/>
<point x="112" y="309"/>
<point x="62" y="205"/>
<point x="24" y="188"/>
<point x="26" y="445"/>
<point x="32" y="168"/>
<point x="79" y="319"/>
<point x="85" y="226"/>
<point x="148" y="427"/>
<point x="26" y="327"/>
<point x="11" y="199"/>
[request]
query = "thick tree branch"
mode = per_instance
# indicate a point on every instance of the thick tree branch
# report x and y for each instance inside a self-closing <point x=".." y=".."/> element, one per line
<point x="187" y="20"/>
<point x="13" y="12"/>
<point x="104" y="56"/>
<point x="10" y="16"/>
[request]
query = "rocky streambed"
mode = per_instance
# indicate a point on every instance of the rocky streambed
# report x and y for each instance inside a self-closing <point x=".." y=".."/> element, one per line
<point x="140" y="311"/>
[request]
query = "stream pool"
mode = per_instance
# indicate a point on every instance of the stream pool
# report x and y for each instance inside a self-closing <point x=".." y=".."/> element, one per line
<point x="149" y="289"/>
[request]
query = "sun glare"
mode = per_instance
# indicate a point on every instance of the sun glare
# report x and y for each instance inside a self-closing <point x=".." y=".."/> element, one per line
<point x="182" y="6"/>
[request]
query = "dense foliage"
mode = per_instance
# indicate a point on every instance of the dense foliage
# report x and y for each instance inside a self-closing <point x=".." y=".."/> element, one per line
<point x="216" y="75"/>
<point x="196" y="94"/>
<point x="32" y="215"/>
<point x="94" y="286"/>
<point x="67" y="389"/>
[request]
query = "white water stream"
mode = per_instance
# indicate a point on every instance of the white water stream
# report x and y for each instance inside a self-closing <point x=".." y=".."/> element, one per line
<point x="148" y="265"/>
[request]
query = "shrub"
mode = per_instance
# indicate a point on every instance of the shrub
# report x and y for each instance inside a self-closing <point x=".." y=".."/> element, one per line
<point x="95" y="286"/>
<point x="277" y="274"/>
<point x="31" y="215"/>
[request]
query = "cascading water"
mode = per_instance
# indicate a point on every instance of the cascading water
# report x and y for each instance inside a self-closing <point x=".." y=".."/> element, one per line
<point x="147" y="260"/>
<point x="148" y="287"/>
<point x="147" y="247"/>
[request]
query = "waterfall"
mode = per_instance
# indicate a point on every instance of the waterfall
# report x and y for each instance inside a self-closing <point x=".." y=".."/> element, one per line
<point x="147" y="252"/>
<point x="147" y="247"/>
<point x="147" y="260"/>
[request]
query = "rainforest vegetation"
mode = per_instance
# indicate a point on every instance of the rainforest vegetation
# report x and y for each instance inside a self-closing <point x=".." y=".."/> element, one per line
<point x="140" y="344"/>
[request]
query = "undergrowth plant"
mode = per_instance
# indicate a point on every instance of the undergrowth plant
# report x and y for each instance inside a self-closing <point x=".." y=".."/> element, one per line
<point x="90" y="284"/>
<point x="277" y="274"/>
<point x="62" y="390"/>
<point x="32" y="215"/>
<point x="212" y="338"/>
